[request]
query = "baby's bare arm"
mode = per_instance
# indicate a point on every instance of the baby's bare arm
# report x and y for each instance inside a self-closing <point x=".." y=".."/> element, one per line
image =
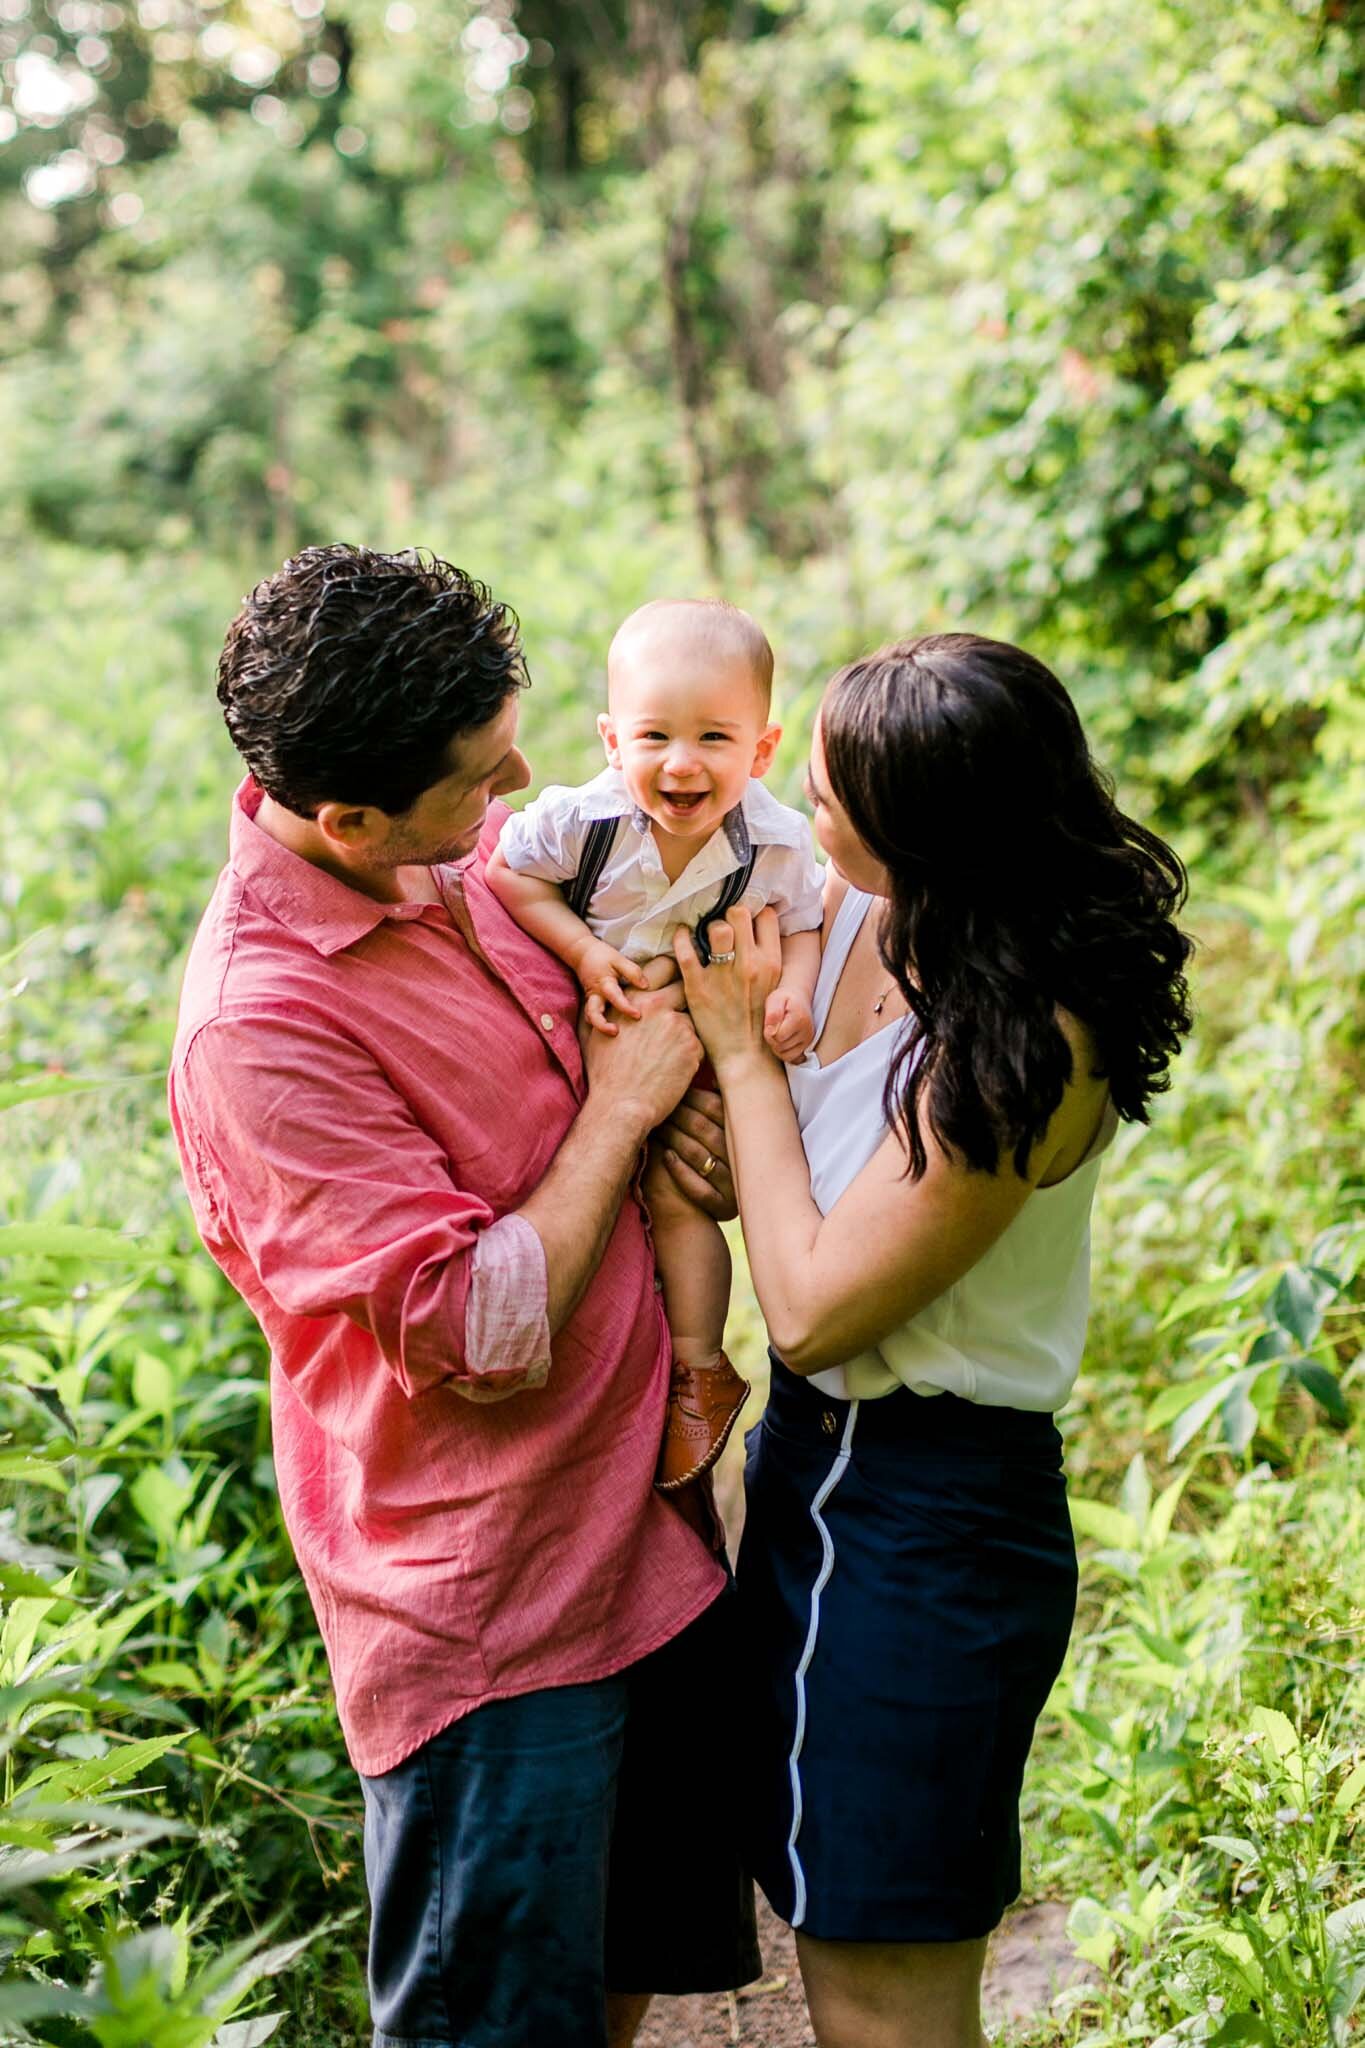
<point x="540" y="909"/>
<point x="800" y="964"/>
<point x="788" y="1024"/>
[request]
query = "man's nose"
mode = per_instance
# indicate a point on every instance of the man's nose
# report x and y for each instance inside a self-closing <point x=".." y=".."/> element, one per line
<point x="516" y="774"/>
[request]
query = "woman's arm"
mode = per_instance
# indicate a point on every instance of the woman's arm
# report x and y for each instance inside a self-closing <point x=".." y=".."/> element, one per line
<point x="830" y="1287"/>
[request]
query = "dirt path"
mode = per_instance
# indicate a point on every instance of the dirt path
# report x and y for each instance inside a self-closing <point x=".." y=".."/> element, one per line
<point x="1031" y="1960"/>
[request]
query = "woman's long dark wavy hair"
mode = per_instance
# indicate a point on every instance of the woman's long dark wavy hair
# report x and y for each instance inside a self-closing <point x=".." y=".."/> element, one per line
<point x="1017" y="885"/>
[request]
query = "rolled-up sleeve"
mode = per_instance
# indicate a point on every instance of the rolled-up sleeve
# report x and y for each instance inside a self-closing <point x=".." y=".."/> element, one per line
<point x="546" y="838"/>
<point x="308" y="1161"/>
<point x="506" y="1318"/>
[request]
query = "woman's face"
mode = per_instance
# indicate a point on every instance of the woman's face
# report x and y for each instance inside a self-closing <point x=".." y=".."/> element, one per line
<point x="846" y="851"/>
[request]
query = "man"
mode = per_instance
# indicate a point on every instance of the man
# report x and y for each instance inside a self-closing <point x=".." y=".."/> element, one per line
<point x="425" y="1192"/>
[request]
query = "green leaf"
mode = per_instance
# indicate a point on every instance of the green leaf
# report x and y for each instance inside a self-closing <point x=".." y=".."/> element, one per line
<point x="69" y="1241"/>
<point x="153" y="1383"/>
<point x="1245" y="2027"/>
<point x="171" y="1671"/>
<point x="79" y="1780"/>
<point x="1137" y="1491"/>
<point x="1298" y="1302"/>
<point x="17" y="1582"/>
<point x="40" y="1087"/>
<point x="19" y="1465"/>
<point x="1193" y="1419"/>
<point x="1162" y="1648"/>
<point x="1324" y="1387"/>
<point x="1173" y="1401"/>
<point x="1110" y="1526"/>
<point x="1278" y="1730"/>
<point x="1349" y="1790"/>
<point x="1347" y="1922"/>
<point x="1236" y="1846"/>
<point x="1163" y="1514"/>
<point x="247" y="2033"/>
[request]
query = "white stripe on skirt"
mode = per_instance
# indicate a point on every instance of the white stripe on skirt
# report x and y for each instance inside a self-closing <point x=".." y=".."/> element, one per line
<point x="832" y="1478"/>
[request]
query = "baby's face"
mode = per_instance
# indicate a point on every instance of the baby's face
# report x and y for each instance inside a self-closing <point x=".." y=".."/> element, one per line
<point x="687" y="729"/>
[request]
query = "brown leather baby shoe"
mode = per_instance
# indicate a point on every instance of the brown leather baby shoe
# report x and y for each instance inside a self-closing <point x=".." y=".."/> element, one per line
<point x="703" y="1407"/>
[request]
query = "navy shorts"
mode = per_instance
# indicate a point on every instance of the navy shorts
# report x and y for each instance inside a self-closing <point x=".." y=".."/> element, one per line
<point x="907" y="1581"/>
<point x="546" y="1849"/>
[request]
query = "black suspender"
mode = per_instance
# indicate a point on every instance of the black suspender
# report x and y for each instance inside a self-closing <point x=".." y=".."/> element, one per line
<point x="597" y="847"/>
<point x="736" y="882"/>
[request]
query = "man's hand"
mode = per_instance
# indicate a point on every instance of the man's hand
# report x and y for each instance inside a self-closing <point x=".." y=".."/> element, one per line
<point x="602" y="971"/>
<point x="641" y="1070"/>
<point x="693" y="1136"/>
<point x="788" y="1024"/>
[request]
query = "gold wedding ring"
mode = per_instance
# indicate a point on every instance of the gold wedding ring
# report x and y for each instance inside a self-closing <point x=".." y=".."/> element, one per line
<point x="708" y="1166"/>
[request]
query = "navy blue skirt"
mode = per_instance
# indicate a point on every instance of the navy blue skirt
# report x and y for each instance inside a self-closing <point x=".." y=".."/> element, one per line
<point x="907" y="1582"/>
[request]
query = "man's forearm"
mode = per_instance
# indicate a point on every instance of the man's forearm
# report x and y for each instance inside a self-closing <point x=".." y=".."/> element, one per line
<point x="573" y="1212"/>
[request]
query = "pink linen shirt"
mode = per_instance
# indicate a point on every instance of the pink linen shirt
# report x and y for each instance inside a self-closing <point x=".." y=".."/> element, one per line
<point x="362" y="1093"/>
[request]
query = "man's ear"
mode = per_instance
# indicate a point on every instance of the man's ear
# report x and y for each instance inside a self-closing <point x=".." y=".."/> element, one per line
<point x="352" y="828"/>
<point x="765" y="750"/>
<point x="606" y="730"/>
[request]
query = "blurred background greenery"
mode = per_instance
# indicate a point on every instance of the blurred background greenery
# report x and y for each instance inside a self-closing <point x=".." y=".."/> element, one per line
<point x="1047" y="319"/>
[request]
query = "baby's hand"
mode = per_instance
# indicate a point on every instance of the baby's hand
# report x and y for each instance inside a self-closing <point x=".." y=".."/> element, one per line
<point x="602" y="970"/>
<point x="788" y="1024"/>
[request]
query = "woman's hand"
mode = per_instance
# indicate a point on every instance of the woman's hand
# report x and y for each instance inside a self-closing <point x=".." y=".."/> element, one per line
<point x="727" y="999"/>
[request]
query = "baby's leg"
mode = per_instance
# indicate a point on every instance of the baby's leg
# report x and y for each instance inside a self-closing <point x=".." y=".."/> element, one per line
<point x="694" y="1265"/>
<point x="705" y="1393"/>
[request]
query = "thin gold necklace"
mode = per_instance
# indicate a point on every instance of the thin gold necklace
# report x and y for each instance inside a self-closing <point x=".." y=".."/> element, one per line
<point x="877" y="1006"/>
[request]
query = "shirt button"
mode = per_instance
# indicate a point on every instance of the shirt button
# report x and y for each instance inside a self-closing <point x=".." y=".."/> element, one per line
<point x="547" y="1022"/>
<point x="829" y="1421"/>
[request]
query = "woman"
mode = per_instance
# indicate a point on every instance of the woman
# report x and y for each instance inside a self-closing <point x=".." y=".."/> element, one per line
<point x="1001" y="983"/>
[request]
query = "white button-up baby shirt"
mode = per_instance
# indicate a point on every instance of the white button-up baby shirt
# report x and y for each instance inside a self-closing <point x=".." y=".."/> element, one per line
<point x="635" y="907"/>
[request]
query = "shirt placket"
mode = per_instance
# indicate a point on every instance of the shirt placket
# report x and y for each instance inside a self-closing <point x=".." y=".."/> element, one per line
<point x="552" y="1028"/>
<point x="714" y="862"/>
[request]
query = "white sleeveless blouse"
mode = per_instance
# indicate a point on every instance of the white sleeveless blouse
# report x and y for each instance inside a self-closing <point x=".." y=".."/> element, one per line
<point x="1011" y="1331"/>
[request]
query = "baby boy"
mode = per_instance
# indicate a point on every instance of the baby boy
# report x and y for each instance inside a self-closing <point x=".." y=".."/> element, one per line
<point x="676" y="831"/>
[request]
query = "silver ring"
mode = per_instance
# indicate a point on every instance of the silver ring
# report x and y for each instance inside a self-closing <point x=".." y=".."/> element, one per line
<point x="721" y="959"/>
<point x="708" y="1166"/>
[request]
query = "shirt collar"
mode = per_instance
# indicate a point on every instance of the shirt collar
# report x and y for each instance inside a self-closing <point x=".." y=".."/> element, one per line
<point x="758" y="819"/>
<point x="317" y="907"/>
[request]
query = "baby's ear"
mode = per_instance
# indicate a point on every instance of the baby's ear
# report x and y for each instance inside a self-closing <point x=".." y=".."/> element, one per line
<point x="606" y="731"/>
<point x="765" y="750"/>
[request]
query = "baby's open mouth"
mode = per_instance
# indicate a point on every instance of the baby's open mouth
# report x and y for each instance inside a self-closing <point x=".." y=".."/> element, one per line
<point x="683" y="799"/>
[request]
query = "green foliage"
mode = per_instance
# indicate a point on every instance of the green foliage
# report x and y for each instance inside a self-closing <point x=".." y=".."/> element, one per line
<point x="1043" y="320"/>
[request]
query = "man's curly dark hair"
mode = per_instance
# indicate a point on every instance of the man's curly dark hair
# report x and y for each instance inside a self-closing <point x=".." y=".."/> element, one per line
<point x="346" y="675"/>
